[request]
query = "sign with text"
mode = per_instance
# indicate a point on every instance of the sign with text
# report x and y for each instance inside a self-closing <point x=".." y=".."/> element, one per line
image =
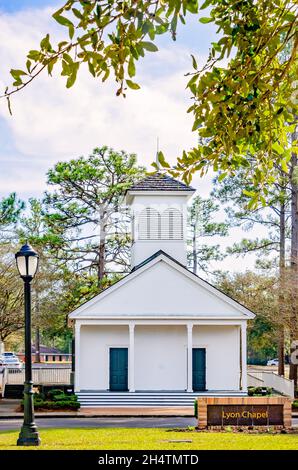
<point x="245" y="415"/>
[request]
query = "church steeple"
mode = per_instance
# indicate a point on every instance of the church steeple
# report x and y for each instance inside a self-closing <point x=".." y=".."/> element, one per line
<point x="159" y="214"/>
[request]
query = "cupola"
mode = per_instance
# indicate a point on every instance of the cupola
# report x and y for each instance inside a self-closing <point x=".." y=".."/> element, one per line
<point x="159" y="216"/>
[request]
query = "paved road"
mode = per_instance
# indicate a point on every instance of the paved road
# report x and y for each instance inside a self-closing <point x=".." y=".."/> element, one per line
<point x="166" y="422"/>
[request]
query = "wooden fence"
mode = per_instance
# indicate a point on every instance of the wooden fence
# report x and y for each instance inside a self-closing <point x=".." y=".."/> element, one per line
<point x="41" y="376"/>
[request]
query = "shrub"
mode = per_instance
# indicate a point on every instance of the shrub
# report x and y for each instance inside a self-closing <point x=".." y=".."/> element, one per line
<point x="259" y="391"/>
<point x="57" y="405"/>
<point x="52" y="394"/>
<point x="63" y="397"/>
<point x="55" y="401"/>
<point x="196" y="409"/>
<point x="295" y="404"/>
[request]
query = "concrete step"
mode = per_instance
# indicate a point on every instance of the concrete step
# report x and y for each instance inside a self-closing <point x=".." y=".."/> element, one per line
<point x="93" y="399"/>
<point x="106" y="392"/>
<point x="138" y="402"/>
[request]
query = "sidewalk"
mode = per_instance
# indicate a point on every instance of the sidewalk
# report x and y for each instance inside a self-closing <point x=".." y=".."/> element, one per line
<point x="8" y="407"/>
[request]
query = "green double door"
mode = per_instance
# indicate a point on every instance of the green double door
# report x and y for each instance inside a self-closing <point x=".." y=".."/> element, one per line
<point x="119" y="369"/>
<point x="199" y="369"/>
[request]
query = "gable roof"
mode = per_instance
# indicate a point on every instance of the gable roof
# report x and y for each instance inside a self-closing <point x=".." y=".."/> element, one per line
<point x="160" y="182"/>
<point x="46" y="350"/>
<point x="227" y="303"/>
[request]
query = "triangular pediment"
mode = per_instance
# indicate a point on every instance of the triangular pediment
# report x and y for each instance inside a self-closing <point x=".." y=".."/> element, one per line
<point x="162" y="287"/>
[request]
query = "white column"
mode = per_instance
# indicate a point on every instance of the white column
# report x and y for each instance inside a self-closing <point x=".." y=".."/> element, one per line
<point x="243" y="357"/>
<point x="189" y="357"/>
<point x="131" y="355"/>
<point x="77" y="356"/>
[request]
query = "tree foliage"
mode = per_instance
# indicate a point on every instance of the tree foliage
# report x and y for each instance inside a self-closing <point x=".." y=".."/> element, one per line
<point x="234" y="193"/>
<point x="260" y="294"/>
<point x="10" y="210"/>
<point x="51" y="279"/>
<point x="84" y="210"/>
<point x="250" y="104"/>
<point x="202" y="225"/>
<point x="11" y="296"/>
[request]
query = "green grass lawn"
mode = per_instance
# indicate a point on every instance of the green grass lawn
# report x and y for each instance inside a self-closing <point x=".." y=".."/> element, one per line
<point x="151" y="439"/>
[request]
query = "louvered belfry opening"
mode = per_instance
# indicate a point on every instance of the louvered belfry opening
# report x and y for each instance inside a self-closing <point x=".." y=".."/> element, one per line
<point x="167" y="225"/>
<point x="171" y="224"/>
<point x="159" y="213"/>
<point x="149" y="224"/>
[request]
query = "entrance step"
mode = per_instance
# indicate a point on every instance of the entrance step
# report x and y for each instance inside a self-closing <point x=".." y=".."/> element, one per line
<point x="93" y="399"/>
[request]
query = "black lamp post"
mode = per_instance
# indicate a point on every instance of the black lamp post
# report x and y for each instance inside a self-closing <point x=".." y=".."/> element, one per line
<point x="27" y="263"/>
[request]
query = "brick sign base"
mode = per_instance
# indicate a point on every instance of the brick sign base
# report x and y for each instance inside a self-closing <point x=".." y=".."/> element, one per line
<point x="244" y="411"/>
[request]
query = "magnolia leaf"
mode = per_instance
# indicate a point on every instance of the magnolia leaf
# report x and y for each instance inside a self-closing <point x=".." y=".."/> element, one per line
<point x="205" y="20"/>
<point x="222" y="176"/>
<point x="62" y="20"/>
<point x="131" y="67"/>
<point x="161" y="160"/>
<point x="284" y="165"/>
<point x="72" y="78"/>
<point x="34" y="55"/>
<point x="205" y="4"/>
<point x="65" y="22"/>
<point x="250" y="194"/>
<point x="192" y="6"/>
<point x="45" y="43"/>
<point x="17" y="73"/>
<point x="77" y="13"/>
<point x="28" y="65"/>
<point x="278" y="148"/>
<point x="149" y="46"/>
<point x="194" y="62"/>
<point x="132" y="85"/>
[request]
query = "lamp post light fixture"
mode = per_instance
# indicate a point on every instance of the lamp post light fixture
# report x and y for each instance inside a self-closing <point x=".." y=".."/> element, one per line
<point x="27" y="264"/>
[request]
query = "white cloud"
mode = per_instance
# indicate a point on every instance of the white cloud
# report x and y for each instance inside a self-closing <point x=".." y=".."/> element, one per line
<point x="50" y="122"/>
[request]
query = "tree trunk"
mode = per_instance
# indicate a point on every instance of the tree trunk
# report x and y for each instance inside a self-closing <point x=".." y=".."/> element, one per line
<point x="281" y="298"/>
<point x="102" y="251"/>
<point x="37" y="330"/>
<point x="194" y="249"/>
<point x="294" y="258"/>
<point x="37" y="344"/>
<point x="101" y="263"/>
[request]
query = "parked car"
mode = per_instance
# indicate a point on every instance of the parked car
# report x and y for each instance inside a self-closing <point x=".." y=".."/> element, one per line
<point x="8" y="354"/>
<point x="272" y="362"/>
<point x="11" y="362"/>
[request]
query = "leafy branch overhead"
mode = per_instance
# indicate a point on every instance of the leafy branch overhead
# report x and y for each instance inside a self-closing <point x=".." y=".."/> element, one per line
<point x="247" y="106"/>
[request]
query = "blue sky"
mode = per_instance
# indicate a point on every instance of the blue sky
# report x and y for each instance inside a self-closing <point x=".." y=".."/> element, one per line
<point x="11" y="6"/>
<point x="32" y="140"/>
<point x="51" y="123"/>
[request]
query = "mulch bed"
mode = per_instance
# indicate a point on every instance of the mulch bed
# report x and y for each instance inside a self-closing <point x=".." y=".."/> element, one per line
<point x="19" y="409"/>
<point x="234" y="429"/>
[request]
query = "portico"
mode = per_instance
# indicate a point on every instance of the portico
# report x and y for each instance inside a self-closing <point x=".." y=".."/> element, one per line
<point x="165" y="368"/>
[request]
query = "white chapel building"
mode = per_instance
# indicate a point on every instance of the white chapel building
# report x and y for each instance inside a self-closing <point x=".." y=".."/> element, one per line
<point x="161" y="332"/>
